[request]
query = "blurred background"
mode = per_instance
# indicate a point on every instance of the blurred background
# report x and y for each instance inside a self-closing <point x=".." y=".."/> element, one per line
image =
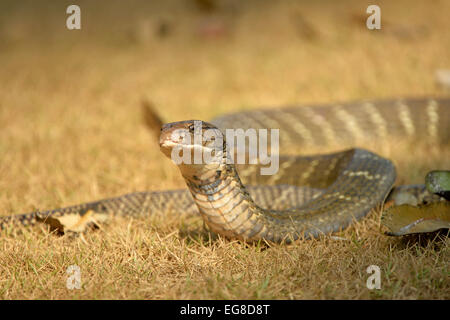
<point x="71" y="126"/>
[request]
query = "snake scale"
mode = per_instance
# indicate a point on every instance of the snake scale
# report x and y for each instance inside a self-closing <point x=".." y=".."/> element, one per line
<point x="308" y="196"/>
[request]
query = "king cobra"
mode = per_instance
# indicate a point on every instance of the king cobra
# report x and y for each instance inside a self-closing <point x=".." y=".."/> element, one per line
<point x="308" y="197"/>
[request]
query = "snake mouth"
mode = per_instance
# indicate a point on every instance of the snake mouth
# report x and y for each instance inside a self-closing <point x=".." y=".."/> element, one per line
<point x="172" y="149"/>
<point x="168" y="147"/>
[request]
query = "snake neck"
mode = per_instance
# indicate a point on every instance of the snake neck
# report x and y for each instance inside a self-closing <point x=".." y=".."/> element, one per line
<point x="223" y="201"/>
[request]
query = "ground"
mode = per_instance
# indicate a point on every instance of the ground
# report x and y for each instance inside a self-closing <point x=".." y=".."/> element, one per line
<point x="71" y="131"/>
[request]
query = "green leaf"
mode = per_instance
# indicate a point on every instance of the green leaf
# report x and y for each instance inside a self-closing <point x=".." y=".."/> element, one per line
<point x="438" y="182"/>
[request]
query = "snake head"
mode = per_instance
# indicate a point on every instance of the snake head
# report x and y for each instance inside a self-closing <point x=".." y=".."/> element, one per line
<point x="197" y="147"/>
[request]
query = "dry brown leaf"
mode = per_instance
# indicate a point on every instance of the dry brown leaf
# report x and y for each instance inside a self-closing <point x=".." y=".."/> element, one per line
<point x="74" y="222"/>
<point x="407" y="219"/>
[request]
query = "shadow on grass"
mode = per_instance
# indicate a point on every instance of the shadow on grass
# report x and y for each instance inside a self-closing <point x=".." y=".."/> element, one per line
<point x="431" y="240"/>
<point x="205" y="237"/>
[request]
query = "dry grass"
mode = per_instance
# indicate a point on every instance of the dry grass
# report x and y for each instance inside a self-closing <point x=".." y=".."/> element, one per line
<point x="71" y="131"/>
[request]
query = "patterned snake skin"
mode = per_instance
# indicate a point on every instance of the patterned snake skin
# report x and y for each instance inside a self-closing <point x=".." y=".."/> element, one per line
<point x="309" y="195"/>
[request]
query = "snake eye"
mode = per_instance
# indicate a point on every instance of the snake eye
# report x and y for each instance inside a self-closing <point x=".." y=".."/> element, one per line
<point x="191" y="128"/>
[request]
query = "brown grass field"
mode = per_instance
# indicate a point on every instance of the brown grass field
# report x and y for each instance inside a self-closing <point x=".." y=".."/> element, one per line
<point x="71" y="131"/>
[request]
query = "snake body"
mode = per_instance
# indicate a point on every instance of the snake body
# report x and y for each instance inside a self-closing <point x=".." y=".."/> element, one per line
<point x="309" y="195"/>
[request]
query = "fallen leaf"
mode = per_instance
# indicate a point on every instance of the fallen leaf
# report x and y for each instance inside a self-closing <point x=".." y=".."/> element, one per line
<point x="407" y="219"/>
